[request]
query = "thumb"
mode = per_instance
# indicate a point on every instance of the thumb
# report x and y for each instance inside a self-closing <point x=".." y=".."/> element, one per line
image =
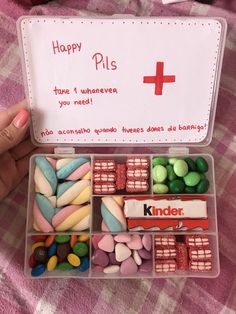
<point x="14" y="133"/>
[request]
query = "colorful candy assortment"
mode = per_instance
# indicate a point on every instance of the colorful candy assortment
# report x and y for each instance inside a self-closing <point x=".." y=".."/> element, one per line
<point x="59" y="252"/>
<point x="123" y="253"/>
<point x="190" y="252"/>
<point x="63" y="192"/>
<point x="62" y="195"/>
<point x="178" y="176"/>
<point x="130" y="176"/>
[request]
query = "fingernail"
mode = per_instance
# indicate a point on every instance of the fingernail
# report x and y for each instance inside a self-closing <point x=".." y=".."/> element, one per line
<point x="21" y="118"/>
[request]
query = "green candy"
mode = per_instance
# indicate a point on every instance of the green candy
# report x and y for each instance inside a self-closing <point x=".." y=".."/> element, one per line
<point x="80" y="249"/>
<point x="190" y="190"/>
<point x="202" y="165"/>
<point x="160" y="188"/>
<point x="62" y="238"/>
<point x="191" y="164"/>
<point x="163" y="161"/>
<point x="176" y="186"/>
<point x="170" y="173"/>
<point x="203" y="186"/>
<point x="172" y="161"/>
<point x="64" y="266"/>
<point x="192" y="178"/>
<point x="180" y="168"/>
<point x="159" y="173"/>
<point x="202" y="176"/>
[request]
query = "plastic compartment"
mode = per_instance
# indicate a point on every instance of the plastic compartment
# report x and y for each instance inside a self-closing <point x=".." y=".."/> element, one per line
<point x="95" y="223"/>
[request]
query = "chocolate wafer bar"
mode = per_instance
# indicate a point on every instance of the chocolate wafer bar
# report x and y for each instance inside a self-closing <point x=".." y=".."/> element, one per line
<point x="137" y="174"/>
<point x="200" y="266"/>
<point x="165" y="252"/>
<point x="137" y="162"/>
<point x="104" y="188"/>
<point x="104" y="177"/>
<point x="168" y="240"/>
<point x="104" y="165"/>
<point x="136" y="186"/>
<point x="200" y="253"/>
<point x="165" y="266"/>
<point x="197" y="240"/>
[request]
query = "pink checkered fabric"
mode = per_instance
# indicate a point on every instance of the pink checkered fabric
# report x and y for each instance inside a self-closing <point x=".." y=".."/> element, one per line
<point x="20" y="295"/>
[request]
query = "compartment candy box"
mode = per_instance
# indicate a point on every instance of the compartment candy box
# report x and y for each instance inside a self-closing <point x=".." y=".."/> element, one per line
<point x="121" y="81"/>
<point x="75" y="230"/>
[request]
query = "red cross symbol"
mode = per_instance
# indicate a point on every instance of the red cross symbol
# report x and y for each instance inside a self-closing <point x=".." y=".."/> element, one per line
<point x="159" y="79"/>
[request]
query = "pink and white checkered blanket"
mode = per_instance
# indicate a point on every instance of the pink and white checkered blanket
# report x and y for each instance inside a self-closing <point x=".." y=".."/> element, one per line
<point x="20" y="295"/>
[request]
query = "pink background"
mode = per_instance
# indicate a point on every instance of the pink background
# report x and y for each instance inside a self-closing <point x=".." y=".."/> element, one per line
<point x="20" y="295"/>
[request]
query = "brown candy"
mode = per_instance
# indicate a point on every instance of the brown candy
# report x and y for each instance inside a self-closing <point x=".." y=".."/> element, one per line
<point x="63" y="249"/>
<point x="41" y="254"/>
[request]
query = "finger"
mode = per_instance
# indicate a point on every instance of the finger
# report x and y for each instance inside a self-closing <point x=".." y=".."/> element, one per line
<point x="8" y="115"/>
<point x="15" y="132"/>
<point x="23" y="164"/>
<point x="22" y="149"/>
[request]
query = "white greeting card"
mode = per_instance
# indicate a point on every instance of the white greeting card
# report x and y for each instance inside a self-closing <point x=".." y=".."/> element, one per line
<point x="144" y="80"/>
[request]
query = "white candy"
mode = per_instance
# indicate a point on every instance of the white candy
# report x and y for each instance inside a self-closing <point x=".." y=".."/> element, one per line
<point x="137" y="258"/>
<point x="111" y="269"/>
<point x="122" y="252"/>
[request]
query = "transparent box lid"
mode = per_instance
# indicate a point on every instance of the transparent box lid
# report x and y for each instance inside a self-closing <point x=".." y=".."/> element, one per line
<point x="122" y="80"/>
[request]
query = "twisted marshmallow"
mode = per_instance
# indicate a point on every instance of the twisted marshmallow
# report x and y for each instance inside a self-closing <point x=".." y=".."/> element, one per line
<point x="112" y="214"/>
<point x="45" y="177"/>
<point x="73" y="169"/>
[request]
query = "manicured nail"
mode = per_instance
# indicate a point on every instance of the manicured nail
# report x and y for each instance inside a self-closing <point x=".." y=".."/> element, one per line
<point x="21" y="118"/>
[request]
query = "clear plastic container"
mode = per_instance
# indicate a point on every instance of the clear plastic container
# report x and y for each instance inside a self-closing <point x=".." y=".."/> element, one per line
<point x="96" y="218"/>
<point x="191" y="51"/>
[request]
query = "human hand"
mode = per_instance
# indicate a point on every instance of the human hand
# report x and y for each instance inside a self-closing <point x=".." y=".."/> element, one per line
<point x="15" y="147"/>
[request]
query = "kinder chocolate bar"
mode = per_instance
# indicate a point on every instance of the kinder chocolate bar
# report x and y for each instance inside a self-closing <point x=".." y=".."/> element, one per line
<point x="104" y="177"/>
<point x="104" y="165"/>
<point x="165" y="266"/>
<point x="137" y="174"/>
<point x="200" y="266"/>
<point x="197" y="240"/>
<point x="136" y="186"/>
<point x="200" y="253"/>
<point x="151" y="208"/>
<point x="181" y="256"/>
<point x="167" y="224"/>
<point x="165" y="240"/>
<point x="104" y="188"/>
<point x="165" y="252"/>
<point x="137" y="162"/>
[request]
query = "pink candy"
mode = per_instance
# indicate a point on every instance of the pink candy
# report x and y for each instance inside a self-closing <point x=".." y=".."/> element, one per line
<point x="123" y="254"/>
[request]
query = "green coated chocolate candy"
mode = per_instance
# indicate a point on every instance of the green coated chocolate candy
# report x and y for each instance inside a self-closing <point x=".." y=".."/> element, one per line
<point x="203" y="186"/>
<point x="190" y="190"/>
<point x="180" y="168"/>
<point x="62" y="238"/>
<point x="159" y="173"/>
<point x="202" y="176"/>
<point x="64" y="266"/>
<point x="172" y="161"/>
<point x="159" y="161"/>
<point x="80" y="249"/>
<point x="191" y="164"/>
<point x="176" y="186"/>
<point x="192" y="178"/>
<point x="170" y="173"/>
<point x="202" y="165"/>
<point x="160" y="188"/>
